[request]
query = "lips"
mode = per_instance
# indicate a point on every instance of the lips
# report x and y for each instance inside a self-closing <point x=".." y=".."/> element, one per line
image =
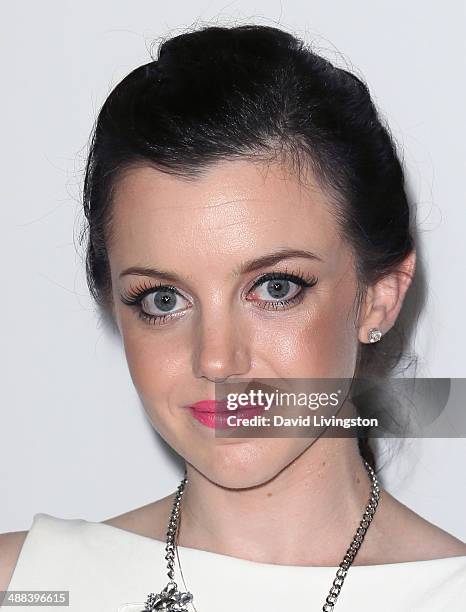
<point x="214" y="413"/>
<point x="213" y="406"/>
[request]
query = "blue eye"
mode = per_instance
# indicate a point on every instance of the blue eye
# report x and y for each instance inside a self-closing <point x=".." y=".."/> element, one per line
<point x="157" y="304"/>
<point x="278" y="286"/>
<point x="161" y="301"/>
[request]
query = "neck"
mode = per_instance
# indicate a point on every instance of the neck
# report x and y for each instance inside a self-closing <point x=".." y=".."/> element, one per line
<point x="306" y="515"/>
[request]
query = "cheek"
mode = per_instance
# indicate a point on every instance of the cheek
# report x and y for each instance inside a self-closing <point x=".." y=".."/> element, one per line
<point x="155" y="378"/>
<point x="321" y="343"/>
<point x="151" y="363"/>
<point x="333" y="341"/>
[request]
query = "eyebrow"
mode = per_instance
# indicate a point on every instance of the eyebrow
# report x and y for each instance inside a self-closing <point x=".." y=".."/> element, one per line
<point x="244" y="268"/>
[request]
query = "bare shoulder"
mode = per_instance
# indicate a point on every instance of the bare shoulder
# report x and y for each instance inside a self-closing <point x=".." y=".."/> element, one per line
<point x="150" y="520"/>
<point x="404" y="535"/>
<point x="11" y="544"/>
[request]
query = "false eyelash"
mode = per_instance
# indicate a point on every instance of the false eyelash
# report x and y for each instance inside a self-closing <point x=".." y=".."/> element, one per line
<point x="305" y="282"/>
<point x="135" y="295"/>
<point x="298" y="277"/>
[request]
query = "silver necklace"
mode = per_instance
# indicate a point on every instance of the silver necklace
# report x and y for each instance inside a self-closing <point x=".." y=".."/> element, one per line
<point x="171" y="599"/>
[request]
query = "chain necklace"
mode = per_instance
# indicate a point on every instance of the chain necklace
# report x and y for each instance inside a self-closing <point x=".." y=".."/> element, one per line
<point x="171" y="599"/>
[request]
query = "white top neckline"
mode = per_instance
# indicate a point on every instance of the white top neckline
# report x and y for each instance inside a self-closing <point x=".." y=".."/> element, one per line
<point x="109" y="569"/>
<point x="189" y="550"/>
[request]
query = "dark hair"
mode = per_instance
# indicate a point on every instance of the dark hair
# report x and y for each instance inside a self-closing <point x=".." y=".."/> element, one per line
<point x="221" y="93"/>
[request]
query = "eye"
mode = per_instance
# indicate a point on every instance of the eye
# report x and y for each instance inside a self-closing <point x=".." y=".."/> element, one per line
<point x="283" y="288"/>
<point x="161" y="301"/>
<point x="278" y="288"/>
<point x="155" y="303"/>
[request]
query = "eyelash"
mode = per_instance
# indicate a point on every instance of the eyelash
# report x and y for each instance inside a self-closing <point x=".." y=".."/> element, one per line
<point x="136" y="294"/>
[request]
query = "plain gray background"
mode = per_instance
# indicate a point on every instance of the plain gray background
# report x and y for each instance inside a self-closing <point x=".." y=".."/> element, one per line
<point x="74" y="439"/>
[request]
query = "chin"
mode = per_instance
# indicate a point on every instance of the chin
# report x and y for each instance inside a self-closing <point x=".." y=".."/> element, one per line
<point x="245" y="463"/>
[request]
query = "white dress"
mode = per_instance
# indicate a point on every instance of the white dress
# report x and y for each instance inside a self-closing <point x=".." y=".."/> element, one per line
<point x="105" y="567"/>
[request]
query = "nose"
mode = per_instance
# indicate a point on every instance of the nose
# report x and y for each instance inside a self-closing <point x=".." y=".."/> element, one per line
<point x="221" y="351"/>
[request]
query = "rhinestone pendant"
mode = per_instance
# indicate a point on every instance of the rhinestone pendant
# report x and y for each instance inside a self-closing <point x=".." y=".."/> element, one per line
<point x="170" y="599"/>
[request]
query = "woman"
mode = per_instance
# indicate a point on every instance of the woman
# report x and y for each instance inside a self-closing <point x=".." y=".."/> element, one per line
<point x="247" y="218"/>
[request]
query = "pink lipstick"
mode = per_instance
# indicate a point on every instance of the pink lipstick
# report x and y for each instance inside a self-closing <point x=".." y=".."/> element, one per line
<point x="214" y="414"/>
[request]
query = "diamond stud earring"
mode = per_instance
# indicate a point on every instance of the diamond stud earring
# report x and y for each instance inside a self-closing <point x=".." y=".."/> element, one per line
<point x="374" y="335"/>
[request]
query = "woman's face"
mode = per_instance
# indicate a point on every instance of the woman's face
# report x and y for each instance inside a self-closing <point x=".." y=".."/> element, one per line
<point x="202" y="233"/>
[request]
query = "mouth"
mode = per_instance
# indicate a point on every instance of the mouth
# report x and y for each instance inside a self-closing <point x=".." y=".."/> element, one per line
<point x="210" y="406"/>
<point x="215" y="413"/>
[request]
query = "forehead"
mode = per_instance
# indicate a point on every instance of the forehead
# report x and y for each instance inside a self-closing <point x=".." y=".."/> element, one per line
<point x="234" y="207"/>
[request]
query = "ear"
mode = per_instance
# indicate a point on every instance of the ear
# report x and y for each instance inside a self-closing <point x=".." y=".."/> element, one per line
<point x="383" y="301"/>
